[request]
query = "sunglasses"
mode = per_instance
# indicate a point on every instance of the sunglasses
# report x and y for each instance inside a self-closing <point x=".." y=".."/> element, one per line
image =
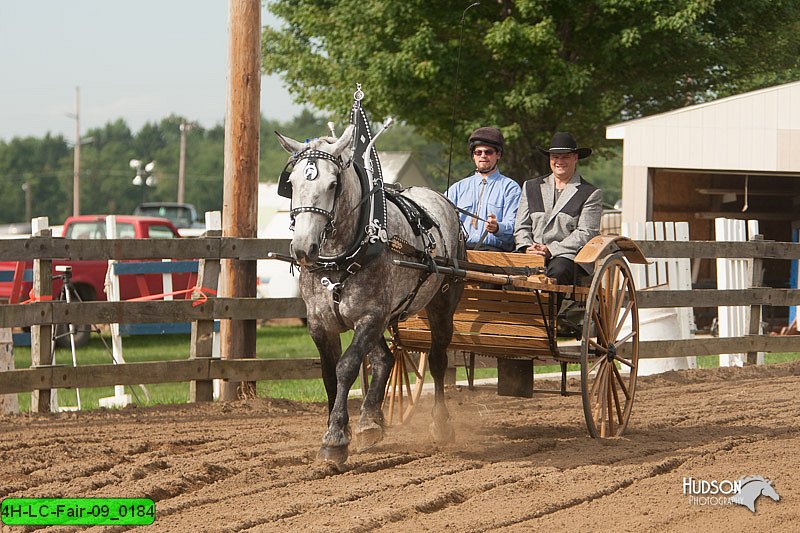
<point x="488" y="151"/>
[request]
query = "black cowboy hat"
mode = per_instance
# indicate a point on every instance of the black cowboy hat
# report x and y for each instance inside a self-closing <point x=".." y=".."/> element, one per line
<point x="564" y="143"/>
<point x="487" y="136"/>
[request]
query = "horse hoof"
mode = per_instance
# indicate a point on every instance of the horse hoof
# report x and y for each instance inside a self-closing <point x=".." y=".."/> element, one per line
<point x="335" y="455"/>
<point x="368" y="437"/>
<point x="442" y="434"/>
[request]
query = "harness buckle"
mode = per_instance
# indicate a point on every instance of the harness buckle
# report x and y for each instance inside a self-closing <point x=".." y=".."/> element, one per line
<point x="431" y="242"/>
<point x="352" y="268"/>
<point x="328" y="284"/>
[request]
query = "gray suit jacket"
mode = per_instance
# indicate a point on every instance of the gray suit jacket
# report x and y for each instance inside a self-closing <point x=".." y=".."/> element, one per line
<point x="564" y="227"/>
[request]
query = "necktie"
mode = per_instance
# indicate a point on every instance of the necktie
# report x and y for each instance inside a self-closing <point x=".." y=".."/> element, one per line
<point x="474" y="222"/>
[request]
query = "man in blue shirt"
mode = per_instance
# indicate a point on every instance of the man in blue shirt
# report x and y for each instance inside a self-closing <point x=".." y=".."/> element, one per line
<point x="488" y="194"/>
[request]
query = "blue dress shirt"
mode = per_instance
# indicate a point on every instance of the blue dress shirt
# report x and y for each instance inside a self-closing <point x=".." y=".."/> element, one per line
<point x="500" y="198"/>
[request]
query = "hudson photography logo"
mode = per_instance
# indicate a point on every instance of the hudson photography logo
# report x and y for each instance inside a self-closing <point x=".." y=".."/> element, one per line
<point x="744" y="491"/>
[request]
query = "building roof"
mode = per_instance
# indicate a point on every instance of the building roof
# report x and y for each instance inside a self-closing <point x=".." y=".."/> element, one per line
<point x="755" y="131"/>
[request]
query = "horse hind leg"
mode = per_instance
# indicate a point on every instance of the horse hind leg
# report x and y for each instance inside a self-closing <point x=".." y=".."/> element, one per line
<point x="370" y="428"/>
<point x="440" y="314"/>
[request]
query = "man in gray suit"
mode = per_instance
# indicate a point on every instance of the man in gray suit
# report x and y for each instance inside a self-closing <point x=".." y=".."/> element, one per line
<point x="560" y="212"/>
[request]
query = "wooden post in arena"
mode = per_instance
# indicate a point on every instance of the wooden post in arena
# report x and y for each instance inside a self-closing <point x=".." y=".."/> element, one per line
<point x="42" y="335"/>
<point x="202" y="343"/>
<point x="240" y="196"/>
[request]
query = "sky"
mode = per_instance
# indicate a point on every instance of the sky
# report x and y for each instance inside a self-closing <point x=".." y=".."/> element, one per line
<point x="137" y="60"/>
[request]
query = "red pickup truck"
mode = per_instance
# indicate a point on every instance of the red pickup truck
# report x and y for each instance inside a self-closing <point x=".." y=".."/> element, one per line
<point x="88" y="277"/>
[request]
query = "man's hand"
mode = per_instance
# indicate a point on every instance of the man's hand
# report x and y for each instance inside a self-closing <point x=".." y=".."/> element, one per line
<point x="491" y="224"/>
<point x="538" y="249"/>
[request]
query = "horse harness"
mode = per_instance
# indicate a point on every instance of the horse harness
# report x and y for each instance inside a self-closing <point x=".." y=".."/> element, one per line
<point x="375" y="242"/>
<point x="372" y="217"/>
<point x="374" y="239"/>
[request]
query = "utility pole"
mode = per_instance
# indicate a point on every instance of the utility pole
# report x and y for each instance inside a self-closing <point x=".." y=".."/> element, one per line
<point x="76" y="163"/>
<point x="185" y="127"/>
<point x="28" y="203"/>
<point x="240" y="188"/>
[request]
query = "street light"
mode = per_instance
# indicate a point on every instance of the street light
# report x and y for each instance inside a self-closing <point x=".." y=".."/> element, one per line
<point x="144" y="175"/>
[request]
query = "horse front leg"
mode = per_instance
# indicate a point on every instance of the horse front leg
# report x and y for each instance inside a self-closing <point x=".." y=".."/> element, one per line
<point x="329" y="346"/>
<point x="370" y="428"/>
<point x="336" y="440"/>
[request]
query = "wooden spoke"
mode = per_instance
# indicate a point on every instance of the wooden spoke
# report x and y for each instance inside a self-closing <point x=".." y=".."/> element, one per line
<point x="609" y="387"/>
<point x="621" y="322"/>
<point x="402" y="394"/>
<point x="598" y="347"/>
<point x="596" y="363"/>
<point x="617" y="407"/>
<point x="598" y="380"/>
<point x="625" y="339"/>
<point x="623" y="361"/>
<point x="601" y="336"/>
<point x="612" y="319"/>
<point x="621" y="382"/>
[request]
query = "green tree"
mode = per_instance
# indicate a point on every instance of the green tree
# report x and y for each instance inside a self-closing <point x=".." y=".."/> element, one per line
<point x="40" y="163"/>
<point x="530" y="67"/>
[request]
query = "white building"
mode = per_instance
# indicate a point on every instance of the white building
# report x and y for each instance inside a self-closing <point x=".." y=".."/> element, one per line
<point x="736" y="157"/>
<point x="698" y="162"/>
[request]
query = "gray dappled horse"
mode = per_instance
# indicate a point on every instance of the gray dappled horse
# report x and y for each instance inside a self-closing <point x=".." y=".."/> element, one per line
<point x="326" y="201"/>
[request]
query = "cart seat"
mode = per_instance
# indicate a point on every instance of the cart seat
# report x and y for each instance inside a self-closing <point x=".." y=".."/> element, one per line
<point x="491" y="320"/>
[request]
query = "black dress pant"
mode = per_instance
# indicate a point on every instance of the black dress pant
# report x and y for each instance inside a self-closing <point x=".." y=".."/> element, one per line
<point x="564" y="270"/>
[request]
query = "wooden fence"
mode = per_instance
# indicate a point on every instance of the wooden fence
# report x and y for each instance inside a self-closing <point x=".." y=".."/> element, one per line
<point x="200" y="368"/>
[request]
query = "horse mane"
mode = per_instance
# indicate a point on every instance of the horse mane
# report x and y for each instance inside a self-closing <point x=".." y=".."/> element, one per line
<point x="749" y="479"/>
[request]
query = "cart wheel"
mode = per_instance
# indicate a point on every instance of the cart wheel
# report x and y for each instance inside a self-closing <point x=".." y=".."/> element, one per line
<point x="610" y="349"/>
<point x="404" y="386"/>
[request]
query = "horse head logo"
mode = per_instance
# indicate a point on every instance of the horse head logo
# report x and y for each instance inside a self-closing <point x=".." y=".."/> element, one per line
<point x="752" y="488"/>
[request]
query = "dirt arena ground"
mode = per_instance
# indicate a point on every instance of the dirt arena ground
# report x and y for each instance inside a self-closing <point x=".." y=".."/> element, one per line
<point x="518" y="464"/>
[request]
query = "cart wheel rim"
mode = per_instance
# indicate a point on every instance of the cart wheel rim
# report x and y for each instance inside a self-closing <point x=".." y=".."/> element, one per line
<point x="610" y="349"/>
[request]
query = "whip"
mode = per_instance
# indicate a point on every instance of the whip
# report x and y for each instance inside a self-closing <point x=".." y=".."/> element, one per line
<point x="455" y="99"/>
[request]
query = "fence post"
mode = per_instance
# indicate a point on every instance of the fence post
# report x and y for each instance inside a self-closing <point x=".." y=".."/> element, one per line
<point x="42" y="335"/>
<point x="756" y="280"/>
<point x="202" y="342"/>
<point x="120" y="399"/>
<point x="8" y="402"/>
<point x="732" y="274"/>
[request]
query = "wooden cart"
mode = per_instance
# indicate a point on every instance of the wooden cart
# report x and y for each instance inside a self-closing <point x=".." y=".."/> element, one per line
<point x="514" y="318"/>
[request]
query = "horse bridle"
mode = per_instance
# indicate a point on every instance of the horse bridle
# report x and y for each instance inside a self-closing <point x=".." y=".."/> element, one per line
<point x="311" y="173"/>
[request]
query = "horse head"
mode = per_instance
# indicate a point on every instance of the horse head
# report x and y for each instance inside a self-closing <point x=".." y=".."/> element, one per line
<point x="314" y="184"/>
<point x="751" y="488"/>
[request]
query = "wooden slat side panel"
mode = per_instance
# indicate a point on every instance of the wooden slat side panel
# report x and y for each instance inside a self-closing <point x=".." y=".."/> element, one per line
<point x="504" y="296"/>
<point x="504" y="259"/>
<point x="421" y="322"/>
<point x="517" y="347"/>
<point x="466" y="339"/>
<point x="499" y="307"/>
<point x="490" y="328"/>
